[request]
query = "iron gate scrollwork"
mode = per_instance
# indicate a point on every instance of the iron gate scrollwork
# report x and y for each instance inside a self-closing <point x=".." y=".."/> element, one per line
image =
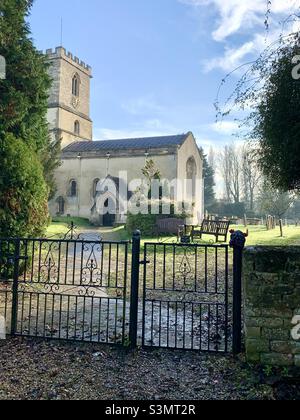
<point x="187" y="297"/>
<point x="66" y="289"/>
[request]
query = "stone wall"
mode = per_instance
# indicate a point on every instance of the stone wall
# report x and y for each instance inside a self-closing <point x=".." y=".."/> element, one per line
<point x="271" y="284"/>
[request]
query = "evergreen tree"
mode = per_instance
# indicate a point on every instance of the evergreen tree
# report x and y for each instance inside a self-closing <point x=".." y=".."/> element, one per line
<point x="24" y="193"/>
<point x="276" y="123"/>
<point x="209" y="184"/>
<point x="23" y="122"/>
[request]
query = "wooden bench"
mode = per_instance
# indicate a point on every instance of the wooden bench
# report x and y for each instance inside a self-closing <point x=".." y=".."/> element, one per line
<point x="211" y="227"/>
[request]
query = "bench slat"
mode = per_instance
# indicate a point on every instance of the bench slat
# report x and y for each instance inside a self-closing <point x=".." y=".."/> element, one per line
<point x="212" y="227"/>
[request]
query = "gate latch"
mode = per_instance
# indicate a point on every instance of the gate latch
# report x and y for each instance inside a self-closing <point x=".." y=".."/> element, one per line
<point x="145" y="262"/>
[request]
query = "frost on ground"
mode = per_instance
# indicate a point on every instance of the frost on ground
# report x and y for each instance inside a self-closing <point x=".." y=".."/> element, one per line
<point x="33" y="370"/>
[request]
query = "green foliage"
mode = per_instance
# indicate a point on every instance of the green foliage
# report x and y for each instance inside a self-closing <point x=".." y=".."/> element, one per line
<point x="146" y="223"/>
<point x="209" y="184"/>
<point x="274" y="124"/>
<point x="23" y="123"/>
<point x="24" y="193"/>
<point x="277" y="123"/>
<point x="51" y="159"/>
<point x="24" y="92"/>
<point x="275" y="202"/>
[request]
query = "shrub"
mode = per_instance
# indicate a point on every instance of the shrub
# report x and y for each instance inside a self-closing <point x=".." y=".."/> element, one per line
<point x="23" y="190"/>
<point x="146" y="223"/>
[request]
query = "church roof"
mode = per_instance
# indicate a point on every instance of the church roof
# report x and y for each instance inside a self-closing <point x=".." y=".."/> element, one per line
<point x="124" y="144"/>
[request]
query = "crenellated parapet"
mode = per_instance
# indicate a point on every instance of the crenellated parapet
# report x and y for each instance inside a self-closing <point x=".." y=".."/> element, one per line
<point x="60" y="52"/>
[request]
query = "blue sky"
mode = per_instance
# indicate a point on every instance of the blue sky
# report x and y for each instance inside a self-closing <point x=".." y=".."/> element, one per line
<point x="157" y="64"/>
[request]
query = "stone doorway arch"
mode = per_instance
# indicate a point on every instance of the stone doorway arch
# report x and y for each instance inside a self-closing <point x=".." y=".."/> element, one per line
<point x="109" y="217"/>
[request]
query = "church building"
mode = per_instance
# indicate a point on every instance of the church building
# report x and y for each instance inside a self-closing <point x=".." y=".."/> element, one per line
<point x="93" y="179"/>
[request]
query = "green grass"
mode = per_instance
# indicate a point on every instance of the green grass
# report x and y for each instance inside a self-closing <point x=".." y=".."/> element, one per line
<point x="258" y="235"/>
<point x="78" y="221"/>
<point x="60" y="225"/>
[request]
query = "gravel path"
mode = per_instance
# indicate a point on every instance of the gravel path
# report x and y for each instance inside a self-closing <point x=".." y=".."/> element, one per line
<point x="34" y="370"/>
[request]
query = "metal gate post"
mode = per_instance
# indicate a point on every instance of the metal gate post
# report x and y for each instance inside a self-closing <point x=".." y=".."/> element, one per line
<point x="14" y="310"/>
<point x="134" y="298"/>
<point x="237" y="300"/>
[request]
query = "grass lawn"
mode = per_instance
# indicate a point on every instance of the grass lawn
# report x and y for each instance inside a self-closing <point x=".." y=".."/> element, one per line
<point x="258" y="235"/>
<point x="60" y="225"/>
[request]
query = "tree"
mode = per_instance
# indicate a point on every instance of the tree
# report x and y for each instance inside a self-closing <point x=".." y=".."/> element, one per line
<point x="24" y="193"/>
<point x="209" y="183"/>
<point x="251" y="175"/>
<point x="24" y="92"/>
<point x="277" y="124"/>
<point x="212" y="158"/>
<point x="151" y="172"/>
<point x="270" y="87"/>
<point x="23" y="117"/>
<point x="230" y="169"/>
<point x="274" y="201"/>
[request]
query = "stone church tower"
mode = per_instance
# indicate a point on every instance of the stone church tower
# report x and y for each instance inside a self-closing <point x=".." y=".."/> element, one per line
<point x="69" y="100"/>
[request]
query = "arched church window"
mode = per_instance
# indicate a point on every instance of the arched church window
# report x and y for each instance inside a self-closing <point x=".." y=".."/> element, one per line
<point x="73" y="188"/>
<point x="75" y="85"/>
<point x="191" y="174"/>
<point x="61" y="205"/>
<point x="95" y="184"/>
<point x="77" y="127"/>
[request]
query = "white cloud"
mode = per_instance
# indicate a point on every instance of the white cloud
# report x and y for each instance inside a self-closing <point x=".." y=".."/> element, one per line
<point x="242" y="17"/>
<point x="150" y="128"/>
<point x="113" y="134"/>
<point x="225" y="128"/>
<point x="232" y="58"/>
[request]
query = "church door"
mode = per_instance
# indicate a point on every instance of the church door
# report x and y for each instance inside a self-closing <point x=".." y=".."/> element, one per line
<point x="109" y="218"/>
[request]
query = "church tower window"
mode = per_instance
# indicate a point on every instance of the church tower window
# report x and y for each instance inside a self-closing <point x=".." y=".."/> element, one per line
<point x="77" y="128"/>
<point x="75" y="85"/>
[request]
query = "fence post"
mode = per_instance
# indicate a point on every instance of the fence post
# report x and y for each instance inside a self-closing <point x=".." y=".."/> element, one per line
<point x="14" y="310"/>
<point x="134" y="298"/>
<point x="237" y="299"/>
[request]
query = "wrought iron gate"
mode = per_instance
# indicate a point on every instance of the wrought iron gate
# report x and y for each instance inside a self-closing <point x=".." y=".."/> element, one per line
<point x="78" y="290"/>
<point x="65" y="289"/>
<point x="187" y="296"/>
